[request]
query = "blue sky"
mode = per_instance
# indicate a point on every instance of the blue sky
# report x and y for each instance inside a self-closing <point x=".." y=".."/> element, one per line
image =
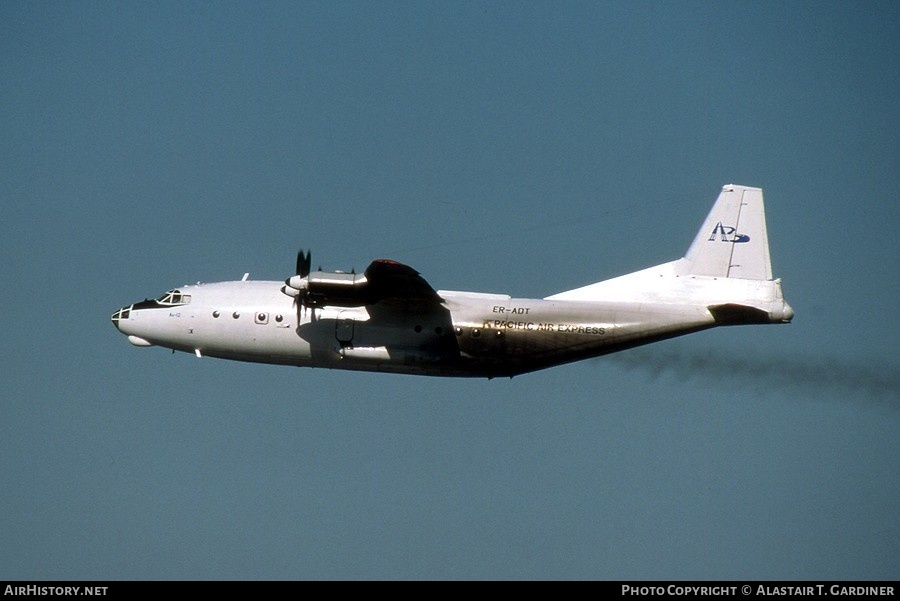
<point x="522" y="148"/>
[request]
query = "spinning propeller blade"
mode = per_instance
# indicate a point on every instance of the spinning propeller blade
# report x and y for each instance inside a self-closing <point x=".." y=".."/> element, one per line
<point x="303" y="263"/>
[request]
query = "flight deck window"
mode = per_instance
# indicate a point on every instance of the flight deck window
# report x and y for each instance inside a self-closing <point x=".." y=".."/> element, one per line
<point x="174" y="297"/>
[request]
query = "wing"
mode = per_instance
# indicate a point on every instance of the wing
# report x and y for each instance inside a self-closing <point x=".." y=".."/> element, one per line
<point x="388" y="279"/>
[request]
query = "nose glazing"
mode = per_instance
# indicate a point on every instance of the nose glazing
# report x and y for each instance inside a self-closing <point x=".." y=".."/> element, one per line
<point x="119" y="315"/>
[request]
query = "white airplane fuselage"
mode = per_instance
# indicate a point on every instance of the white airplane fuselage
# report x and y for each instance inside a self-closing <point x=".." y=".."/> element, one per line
<point x="464" y="333"/>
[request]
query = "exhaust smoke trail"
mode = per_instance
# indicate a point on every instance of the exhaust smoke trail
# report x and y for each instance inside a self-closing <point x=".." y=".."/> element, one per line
<point x="853" y="379"/>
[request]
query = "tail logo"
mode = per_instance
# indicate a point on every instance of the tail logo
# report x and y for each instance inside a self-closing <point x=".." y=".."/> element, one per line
<point x="727" y="233"/>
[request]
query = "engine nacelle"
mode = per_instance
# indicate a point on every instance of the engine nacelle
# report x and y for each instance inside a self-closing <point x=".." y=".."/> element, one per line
<point x="321" y="288"/>
<point x="323" y="280"/>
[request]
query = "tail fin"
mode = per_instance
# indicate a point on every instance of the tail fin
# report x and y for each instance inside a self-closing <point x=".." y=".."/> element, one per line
<point x="733" y="242"/>
<point x="728" y="261"/>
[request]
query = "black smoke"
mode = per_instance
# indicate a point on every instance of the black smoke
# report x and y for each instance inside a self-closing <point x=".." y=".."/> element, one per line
<point x="852" y="380"/>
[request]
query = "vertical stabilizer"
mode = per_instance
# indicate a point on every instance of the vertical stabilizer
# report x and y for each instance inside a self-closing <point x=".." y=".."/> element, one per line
<point x="733" y="241"/>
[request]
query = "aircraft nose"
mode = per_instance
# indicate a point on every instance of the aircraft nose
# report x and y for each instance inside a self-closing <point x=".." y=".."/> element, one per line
<point x="123" y="313"/>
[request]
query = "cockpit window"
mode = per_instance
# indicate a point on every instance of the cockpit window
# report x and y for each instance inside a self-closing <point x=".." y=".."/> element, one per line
<point x="174" y="297"/>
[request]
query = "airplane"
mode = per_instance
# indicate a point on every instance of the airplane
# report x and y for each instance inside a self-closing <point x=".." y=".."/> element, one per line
<point x="389" y="319"/>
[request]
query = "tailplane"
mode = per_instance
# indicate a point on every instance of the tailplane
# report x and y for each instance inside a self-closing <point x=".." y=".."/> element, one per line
<point x="727" y="268"/>
<point x="733" y="243"/>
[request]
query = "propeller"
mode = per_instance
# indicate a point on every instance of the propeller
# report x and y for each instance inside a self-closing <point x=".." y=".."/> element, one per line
<point x="303" y="263"/>
<point x="298" y="285"/>
<point x="336" y="288"/>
